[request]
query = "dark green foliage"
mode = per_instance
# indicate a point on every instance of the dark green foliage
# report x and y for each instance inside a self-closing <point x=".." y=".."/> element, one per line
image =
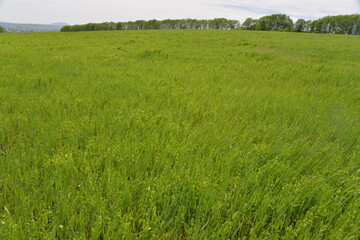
<point x="341" y="24"/>
<point x="223" y="23"/>
<point x="275" y="22"/>
<point x="250" y="24"/>
<point x="302" y="25"/>
<point x="217" y="23"/>
<point x="2" y="29"/>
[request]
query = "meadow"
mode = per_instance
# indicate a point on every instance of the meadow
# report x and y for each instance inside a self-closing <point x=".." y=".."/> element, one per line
<point x="179" y="134"/>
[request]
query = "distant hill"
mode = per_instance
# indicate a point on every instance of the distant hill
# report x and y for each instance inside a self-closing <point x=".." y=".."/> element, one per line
<point x="60" y="24"/>
<point x="24" y="27"/>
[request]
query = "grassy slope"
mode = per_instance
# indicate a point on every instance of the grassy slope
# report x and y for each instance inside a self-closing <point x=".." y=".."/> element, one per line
<point x="179" y="134"/>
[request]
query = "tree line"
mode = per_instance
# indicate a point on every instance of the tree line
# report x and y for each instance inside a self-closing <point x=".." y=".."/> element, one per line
<point x="275" y="22"/>
<point x="217" y="23"/>
<point x="342" y="24"/>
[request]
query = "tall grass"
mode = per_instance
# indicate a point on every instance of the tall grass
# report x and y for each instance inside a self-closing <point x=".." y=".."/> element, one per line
<point x="179" y="135"/>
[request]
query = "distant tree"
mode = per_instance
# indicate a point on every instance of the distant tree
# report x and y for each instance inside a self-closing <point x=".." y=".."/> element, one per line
<point x="302" y="25"/>
<point x="234" y="24"/>
<point x="89" y="27"/>
<point x="299" y="25"/>
<point x="307" y="27"/>
<point x="249" y="24"/>
<point x="224" y="24"/>
<point x="2" y="29"/>
<point x="218" y="23"/>
<point x="154" y="24"/>
<point x="275" y="22"/>
<point x="341" y="24"/>
<point x="119" y="26"/>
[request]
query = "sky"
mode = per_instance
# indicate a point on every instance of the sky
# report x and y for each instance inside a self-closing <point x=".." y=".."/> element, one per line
<point x="85" y="11"/>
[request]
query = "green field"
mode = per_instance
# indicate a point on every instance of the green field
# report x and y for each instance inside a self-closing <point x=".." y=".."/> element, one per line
<point x="179" y="134"/>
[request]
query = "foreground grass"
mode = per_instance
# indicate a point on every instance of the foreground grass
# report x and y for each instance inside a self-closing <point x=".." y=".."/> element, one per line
<point x="179" y="135"/>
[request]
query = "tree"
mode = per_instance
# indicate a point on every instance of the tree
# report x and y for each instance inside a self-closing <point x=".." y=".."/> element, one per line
<point x="154" y="24"/>
<point x="119" y="26"/>
<point x="299" y="25"/>
<point x="218" y="23"/>
<point x="141" y="24"/>
<point x="307" y="27"/>
<point x="302" y="25"/>
<point x="275" y="22"/>
<point x="249" y="24"/>
<point x="341" y="24"/>
<point x="2" y="29"/>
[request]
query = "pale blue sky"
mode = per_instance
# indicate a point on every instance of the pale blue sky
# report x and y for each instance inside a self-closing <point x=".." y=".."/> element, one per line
<point x="84" y="11"/>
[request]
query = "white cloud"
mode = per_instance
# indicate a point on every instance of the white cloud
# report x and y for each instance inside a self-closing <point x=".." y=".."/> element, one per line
<point x="305" y="8"/>
<point x="83" y="11"/>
